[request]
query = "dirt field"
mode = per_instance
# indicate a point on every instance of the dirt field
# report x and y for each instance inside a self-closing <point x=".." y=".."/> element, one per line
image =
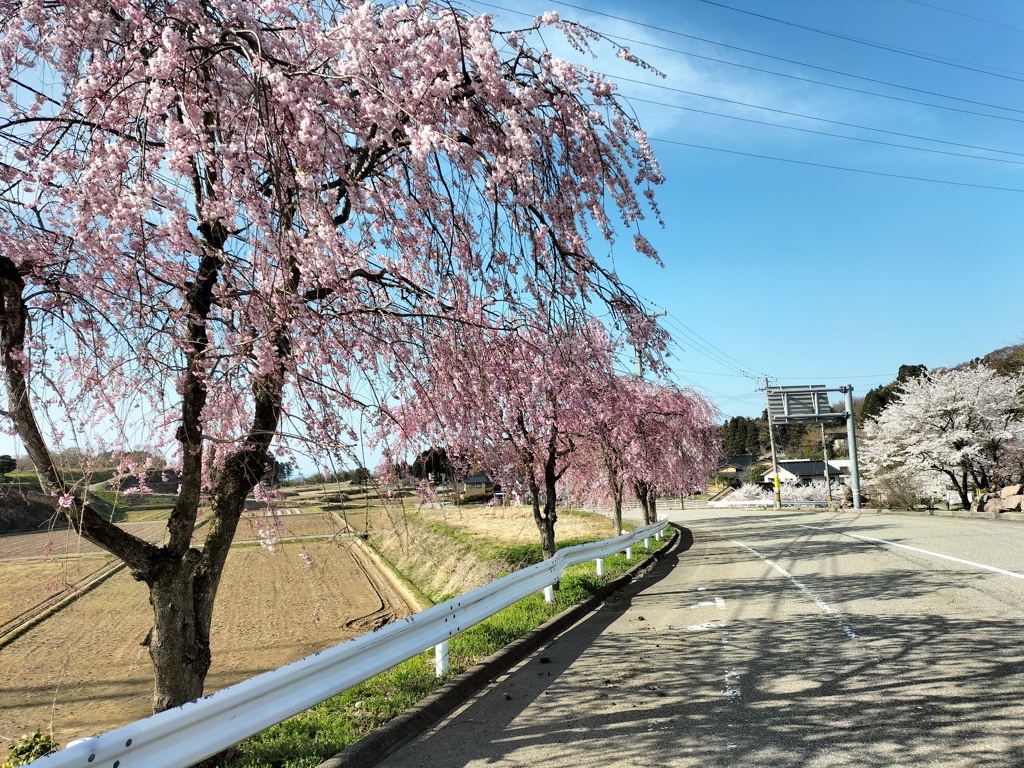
<point x="84" y="671"/>
<point x="26" y="584"/>
<point x="64" y="541"/>
<point x="289" y="523"/>
<point x="515" y="525"/>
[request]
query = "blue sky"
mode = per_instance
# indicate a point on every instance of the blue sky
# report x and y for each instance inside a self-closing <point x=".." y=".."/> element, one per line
<point x="809" y="274"/>
<point x="812" y="275"/>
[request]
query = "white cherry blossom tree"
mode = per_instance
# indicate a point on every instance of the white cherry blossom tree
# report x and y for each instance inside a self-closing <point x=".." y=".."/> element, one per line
<point x="961" y="428"/>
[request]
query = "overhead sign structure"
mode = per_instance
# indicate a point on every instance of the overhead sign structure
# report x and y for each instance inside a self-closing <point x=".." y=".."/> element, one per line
<point x="800" y="405"/>
<point x="809" y="405"/>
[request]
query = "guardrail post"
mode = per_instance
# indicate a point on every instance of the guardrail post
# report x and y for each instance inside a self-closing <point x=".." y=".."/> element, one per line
<point x="441" y="658"/>
<point x="600" y="566"/>
<point x="647" y="543"/>
<point x="549" y="594"/>
<point x="629" y="553"/>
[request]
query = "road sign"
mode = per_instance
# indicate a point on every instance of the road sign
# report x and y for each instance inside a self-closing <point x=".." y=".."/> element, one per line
<point x="800" y="405"/>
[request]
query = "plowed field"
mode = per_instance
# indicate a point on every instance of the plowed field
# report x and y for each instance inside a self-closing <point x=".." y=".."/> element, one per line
<point x="64" y="541"/>
<point x="84" y="670"/>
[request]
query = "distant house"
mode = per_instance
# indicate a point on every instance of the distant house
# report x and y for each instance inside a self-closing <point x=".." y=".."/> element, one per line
<point x="840" y="465"/>
<point x="736" y="469"/>
<point x="802" y="471"/>
<point x="479" y="483"/>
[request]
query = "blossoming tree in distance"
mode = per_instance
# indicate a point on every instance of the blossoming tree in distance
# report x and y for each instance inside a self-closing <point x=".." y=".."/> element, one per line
<point x="645" y="438"/>
<point x="510" y="401"/>
<point x="214" y="214"/>
<point x="533" y="406"/>
<point x="957" y="430"/>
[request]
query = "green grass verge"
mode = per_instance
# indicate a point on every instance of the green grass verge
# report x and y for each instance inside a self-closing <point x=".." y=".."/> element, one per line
<point x="310" y="738"/>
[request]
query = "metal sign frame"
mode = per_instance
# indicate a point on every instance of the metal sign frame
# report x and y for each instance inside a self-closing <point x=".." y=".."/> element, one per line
<point x="809" y="404"/>
<point x="801" y="405"/>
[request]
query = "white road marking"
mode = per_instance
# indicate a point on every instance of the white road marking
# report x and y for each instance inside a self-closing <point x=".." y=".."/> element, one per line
<point x="825" y="607"/>
<point x="718" y="603"/>
<point x="971" y="563"/>
<point x="704" y="627"/>
<point x="731" y="690"/>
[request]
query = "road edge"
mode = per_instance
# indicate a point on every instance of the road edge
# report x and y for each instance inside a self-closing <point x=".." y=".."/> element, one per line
<point x="399" y="731"/>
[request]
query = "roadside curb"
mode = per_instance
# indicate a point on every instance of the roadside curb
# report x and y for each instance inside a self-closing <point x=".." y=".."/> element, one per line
<point x="1012" y="517"/>
<point x="399" y="731"/>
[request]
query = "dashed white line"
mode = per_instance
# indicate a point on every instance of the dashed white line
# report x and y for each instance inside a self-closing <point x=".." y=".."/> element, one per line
<point x="704" y="627"/>
<point x="718" y="603"/>
<point x="825" y="607"/>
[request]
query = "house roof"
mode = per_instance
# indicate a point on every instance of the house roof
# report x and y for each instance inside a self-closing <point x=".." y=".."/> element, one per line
<point x="741" y="460"/>
<point x="477" y="479"/>
<point x="804" y="468"/>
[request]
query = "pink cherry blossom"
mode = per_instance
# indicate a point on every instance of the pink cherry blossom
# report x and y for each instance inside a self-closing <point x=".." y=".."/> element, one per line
<point x="222" y="224"/>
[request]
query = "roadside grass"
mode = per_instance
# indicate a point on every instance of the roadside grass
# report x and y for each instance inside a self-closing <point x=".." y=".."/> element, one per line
<point x="517" y="556"/>
<point x="313" y="736"/>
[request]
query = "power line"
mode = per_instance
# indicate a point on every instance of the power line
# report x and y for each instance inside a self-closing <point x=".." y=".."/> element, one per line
<point x="857" y="90"/>
<point x="837" y="167"/>
<point x="859" y="41"/>
<point x="826" y="133"/>
<point x="966" y="15"/>
<point x="745" y="369"/>
<point x="894" y="98"/>
<point x="711" y="373"/>
<point x="817" y="119"/>
<point x="947" y="60"/>
<point x="707" y="348"/>
<point x="788" y="61"/>
<point x="823" y="69"/>
<point x="706" y="352"/>
<point x="838" y="378"/>
<point x="796" y="114"/>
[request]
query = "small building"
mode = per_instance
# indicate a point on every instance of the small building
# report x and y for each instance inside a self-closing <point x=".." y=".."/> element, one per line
<point x="801" y="472"/>
<point x="475" y="484"/>
<point x="736" y="469"/>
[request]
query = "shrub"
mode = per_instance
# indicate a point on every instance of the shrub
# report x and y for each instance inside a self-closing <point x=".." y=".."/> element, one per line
<point x="29" y="747"/>
<point x="475" y="498"/>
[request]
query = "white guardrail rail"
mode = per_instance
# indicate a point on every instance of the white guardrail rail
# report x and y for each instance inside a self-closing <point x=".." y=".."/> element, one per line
<point x="189" y="733"/>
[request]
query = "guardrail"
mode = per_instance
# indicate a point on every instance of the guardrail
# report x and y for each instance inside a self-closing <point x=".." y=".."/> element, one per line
<point x="631" y="510"/>
<point x="186" y="734"/>
<point x="764" y="503"/>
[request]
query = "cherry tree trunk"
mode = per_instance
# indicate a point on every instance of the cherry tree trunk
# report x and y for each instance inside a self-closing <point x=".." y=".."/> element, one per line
<point x="179" y="643"/>
<point x="959" y="483"/>
<point x="645" y="495"/>
<point x="651" y="510"/>
<point x="547" y="531"/>
<point x="545" y="517"/>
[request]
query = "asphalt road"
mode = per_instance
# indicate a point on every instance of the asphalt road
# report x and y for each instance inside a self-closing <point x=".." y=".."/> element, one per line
<point x="778" y="639"/>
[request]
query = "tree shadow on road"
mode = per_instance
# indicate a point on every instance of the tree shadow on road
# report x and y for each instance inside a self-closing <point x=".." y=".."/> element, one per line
<point x="909" y="687"/>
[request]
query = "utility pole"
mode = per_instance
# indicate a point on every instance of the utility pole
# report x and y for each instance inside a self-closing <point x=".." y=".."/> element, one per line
<point x="851" y="439"/>
<point x="771" y="439"/>
<point x="828" y="482"/>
